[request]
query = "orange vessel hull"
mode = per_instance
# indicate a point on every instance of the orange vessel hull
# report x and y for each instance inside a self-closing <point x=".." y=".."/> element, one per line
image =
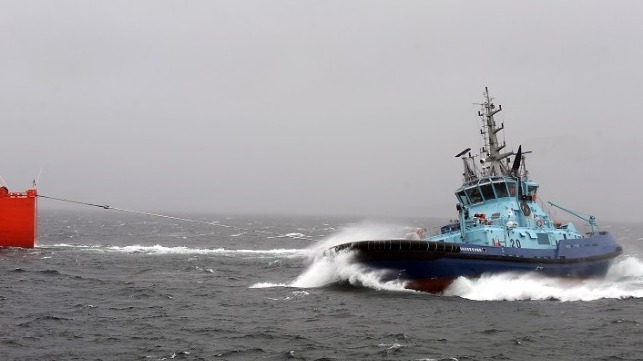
<point x="18" y="218"/>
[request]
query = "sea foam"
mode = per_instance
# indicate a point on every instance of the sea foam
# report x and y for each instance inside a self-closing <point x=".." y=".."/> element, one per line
<point x="623" y="280"/>
<point x="165" y="250"/>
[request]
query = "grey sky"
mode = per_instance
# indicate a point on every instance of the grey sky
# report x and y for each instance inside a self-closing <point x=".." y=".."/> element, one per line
<point x="317" y="107"/>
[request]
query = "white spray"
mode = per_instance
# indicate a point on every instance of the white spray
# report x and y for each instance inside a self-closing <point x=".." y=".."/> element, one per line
<point x="624" y="280"/>
<point x="328" y="267"/>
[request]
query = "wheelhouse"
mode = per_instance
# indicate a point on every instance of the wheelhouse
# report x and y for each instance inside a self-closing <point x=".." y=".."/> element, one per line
<point x="489" y="189"/>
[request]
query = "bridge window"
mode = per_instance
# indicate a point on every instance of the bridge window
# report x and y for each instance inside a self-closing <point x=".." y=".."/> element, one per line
<point x="501" y="190"/>
<point x="487" y="191"/>
<point x="462" y="197"/>
<point x="474" y="195"/>
<point x="531" y="190"/>
<point x="512" y="189"/>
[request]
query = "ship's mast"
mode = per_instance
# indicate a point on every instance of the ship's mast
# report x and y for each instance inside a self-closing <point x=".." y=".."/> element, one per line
<point x="491" y="157"/>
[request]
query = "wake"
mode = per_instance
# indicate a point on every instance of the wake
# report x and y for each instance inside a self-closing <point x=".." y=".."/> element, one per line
<point x="182" y="250"/>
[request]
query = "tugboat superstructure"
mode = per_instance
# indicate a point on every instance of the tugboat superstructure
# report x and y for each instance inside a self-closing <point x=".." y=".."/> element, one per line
<point x="501" y="227"/>
<point x="497" y="202"/>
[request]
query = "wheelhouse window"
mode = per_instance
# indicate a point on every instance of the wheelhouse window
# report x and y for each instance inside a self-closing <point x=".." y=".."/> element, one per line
<point x="501" y="189"/>
<point x="487" y="191"/>
<point x="474" y="195"/>
<point x="532" y="190"/>
<point x="512" y="189"/>
<point x="462" y="197"/>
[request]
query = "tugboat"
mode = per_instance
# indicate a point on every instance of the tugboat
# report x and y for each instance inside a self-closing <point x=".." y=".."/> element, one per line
<point x="18" y="217"/>
<point x="501" y="227"/>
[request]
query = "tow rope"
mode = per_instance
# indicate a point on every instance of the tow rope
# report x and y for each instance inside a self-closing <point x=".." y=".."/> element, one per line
<point x="214" y="223"/>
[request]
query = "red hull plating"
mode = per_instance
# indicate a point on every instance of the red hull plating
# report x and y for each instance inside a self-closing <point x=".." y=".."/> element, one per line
<point x="434" y="285"/>
<point x="18" y="218"/>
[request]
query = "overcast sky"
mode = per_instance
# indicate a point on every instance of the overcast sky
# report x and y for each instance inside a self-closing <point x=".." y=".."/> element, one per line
<point x="317" y="107"/>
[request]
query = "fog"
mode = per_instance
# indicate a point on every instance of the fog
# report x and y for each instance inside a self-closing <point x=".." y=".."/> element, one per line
<point x="316" y="107"/>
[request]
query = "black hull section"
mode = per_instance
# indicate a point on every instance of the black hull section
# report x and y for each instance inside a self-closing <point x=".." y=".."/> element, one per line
<point x="399" y="249"/>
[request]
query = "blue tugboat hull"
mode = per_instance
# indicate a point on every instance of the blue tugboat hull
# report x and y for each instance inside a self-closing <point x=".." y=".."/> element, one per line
<point x="432" y="266"/>
<point x="451" y="267"/>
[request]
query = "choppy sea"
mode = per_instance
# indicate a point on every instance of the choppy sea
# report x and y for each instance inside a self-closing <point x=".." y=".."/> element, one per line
<point x="106" y="285"/>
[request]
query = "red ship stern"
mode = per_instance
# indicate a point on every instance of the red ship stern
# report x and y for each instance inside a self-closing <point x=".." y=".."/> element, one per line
<point x="18" y="218"/>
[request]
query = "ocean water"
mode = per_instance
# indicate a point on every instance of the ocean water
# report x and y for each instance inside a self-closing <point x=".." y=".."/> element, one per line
<point x="107" y="285"/>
